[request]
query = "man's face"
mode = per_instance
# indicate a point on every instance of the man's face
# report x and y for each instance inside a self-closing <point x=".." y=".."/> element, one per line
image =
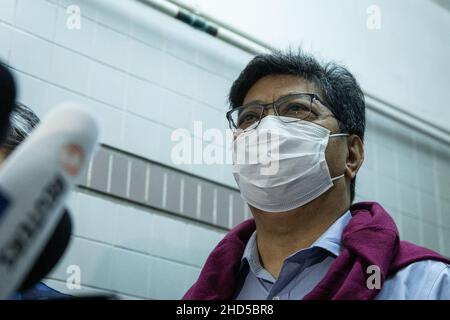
<point x="271" y="88"/>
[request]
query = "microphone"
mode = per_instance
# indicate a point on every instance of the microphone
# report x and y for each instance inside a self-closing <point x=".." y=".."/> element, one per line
<point x="60" y="238"/>
<point x="35" y="181"/>
<point x="7" y="99"/>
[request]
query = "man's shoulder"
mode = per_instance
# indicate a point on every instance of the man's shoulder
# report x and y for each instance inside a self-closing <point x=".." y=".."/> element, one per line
<point x="424" y="279"/>
<point x="432" y="266"/>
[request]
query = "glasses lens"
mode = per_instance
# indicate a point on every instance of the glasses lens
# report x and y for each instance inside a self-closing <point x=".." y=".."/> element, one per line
<point x="296" y="107"/>
<point x="244" y="117"/>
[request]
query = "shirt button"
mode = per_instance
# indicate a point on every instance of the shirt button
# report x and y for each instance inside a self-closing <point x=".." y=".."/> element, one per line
<point x="276" y="298"/>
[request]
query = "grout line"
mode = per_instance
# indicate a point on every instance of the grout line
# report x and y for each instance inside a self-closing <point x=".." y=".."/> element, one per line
<point x="128" y="182"/>
<point x="230" y="211"/>
<point x="110" y="167"/>
<point x="182" y="195"/>
<point x="215" y="206"/>
<point x="147" y="182"/>
<point x="164" y="195"/>
<point x="89" y="172"/>
<point x="199" y="201"/>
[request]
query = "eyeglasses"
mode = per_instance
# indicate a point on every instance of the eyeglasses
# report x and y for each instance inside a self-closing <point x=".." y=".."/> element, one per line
<point x="292" y="108"/>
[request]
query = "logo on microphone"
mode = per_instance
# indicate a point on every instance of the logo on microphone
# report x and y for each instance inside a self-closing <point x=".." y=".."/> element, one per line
<point x="72" y="157"/>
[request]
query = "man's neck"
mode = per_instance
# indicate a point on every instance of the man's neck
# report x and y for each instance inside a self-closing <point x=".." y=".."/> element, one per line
<point x="282" y="234"/>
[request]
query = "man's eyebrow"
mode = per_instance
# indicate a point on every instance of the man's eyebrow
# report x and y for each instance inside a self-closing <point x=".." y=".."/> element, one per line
<point x="253" y="102"/>
<point x="264" y="102"/>
<point x="287" y="94"/>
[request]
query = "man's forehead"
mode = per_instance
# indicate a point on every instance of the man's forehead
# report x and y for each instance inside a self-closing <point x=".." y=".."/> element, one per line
<point x="272" y="87"/>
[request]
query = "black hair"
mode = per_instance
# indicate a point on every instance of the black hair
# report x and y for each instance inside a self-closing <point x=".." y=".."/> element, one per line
<point x="23" y="121"/>
<point x="338" y="87"/>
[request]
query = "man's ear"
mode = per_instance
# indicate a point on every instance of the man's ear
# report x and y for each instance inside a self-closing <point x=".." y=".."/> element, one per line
<point x="355" y="156"/>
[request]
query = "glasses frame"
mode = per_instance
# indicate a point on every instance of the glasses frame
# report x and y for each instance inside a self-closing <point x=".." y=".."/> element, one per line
<point x="313" y="97"/>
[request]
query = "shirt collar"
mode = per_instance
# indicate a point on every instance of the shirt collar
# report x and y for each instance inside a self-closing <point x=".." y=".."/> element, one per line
<point x="330" y="241"/>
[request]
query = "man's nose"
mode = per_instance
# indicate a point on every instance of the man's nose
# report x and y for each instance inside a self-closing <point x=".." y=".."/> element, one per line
<point x="268" y="110"/>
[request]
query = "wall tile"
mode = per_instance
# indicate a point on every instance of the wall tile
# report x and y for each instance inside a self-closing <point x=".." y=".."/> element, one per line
<point x="5" y="39"/>
<point x="130" y="273"/>
<point x="190" y="197"/>
<point x="164" y="286"/>
<point x="201" y="242"/>
<point x="445" y="213"/>
<point x="146" y="62"/>
<point x="133" y="229"/>
<point x="80" y="40"/>
<point x="119" y="175"/>
<point x="410" y="230"/>
<point x="93" y="259"/>
<point x="70" y="70"/>
<point x="94" y="218"/>
<point x="141" y="137"/>
<point x="173" y="192"/>
<point x="114" y="15"/>
<point x="428" y="208"/>
<point x="156" y="186"/>
<point x="111" y="47"/>
<point x="170" y="236"/>
<point x="181" y="76"/>
<point x="39" y="63"/>
<point x="223" y="207"/>
<point x="88" y="8"/>
<point x="191" y="277"/>
<point x="7" y="9"/>
<point x="207" y="202"/>
<point x="387" y="192"/>
<point x="430" y="236"/>
<point x="28" y="10"/>
<point x="147" y="25"/>
<point x="100" y="171"/>
<point x="138" y="178"/>
<point x="144" y="98"/>
<point x="238" y="209"/>
<point x="112" y="91"/>
<point x="409" y="200"/>
<point x="32" y="92"/>
<point x="446" y="237"/>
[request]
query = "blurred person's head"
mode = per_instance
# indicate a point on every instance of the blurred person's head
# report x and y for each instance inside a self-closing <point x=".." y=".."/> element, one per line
<point x="7" y="99"/>
<point x="339" y="102"/>
<point x="23" y="121"/>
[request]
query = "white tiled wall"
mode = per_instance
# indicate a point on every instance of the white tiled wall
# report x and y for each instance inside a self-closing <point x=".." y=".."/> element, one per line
<point x="133" y="251"/>
<point x="144" y="74"/>
<point x="409" y="173"/>
<point x="128" y="70"/>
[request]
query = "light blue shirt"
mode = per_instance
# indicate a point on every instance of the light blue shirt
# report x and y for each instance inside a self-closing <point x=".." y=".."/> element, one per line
<point x="303" y="270"/>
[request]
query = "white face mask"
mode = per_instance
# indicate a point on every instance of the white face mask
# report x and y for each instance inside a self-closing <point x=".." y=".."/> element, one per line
<point x="280" y="165"/>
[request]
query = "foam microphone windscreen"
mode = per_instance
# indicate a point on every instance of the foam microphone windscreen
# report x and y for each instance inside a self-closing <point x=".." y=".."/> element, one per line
<point x="7" y="99"/>
<point x="51" y="254"/>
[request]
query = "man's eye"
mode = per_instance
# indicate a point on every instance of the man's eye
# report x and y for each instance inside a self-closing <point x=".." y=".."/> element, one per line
<point x="247" y="117"/>
<point x="295" y="108"/>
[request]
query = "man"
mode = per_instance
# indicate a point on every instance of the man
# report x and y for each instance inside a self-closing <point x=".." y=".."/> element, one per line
<point x="307" y="240"/>
<point x="22" y="122"/>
